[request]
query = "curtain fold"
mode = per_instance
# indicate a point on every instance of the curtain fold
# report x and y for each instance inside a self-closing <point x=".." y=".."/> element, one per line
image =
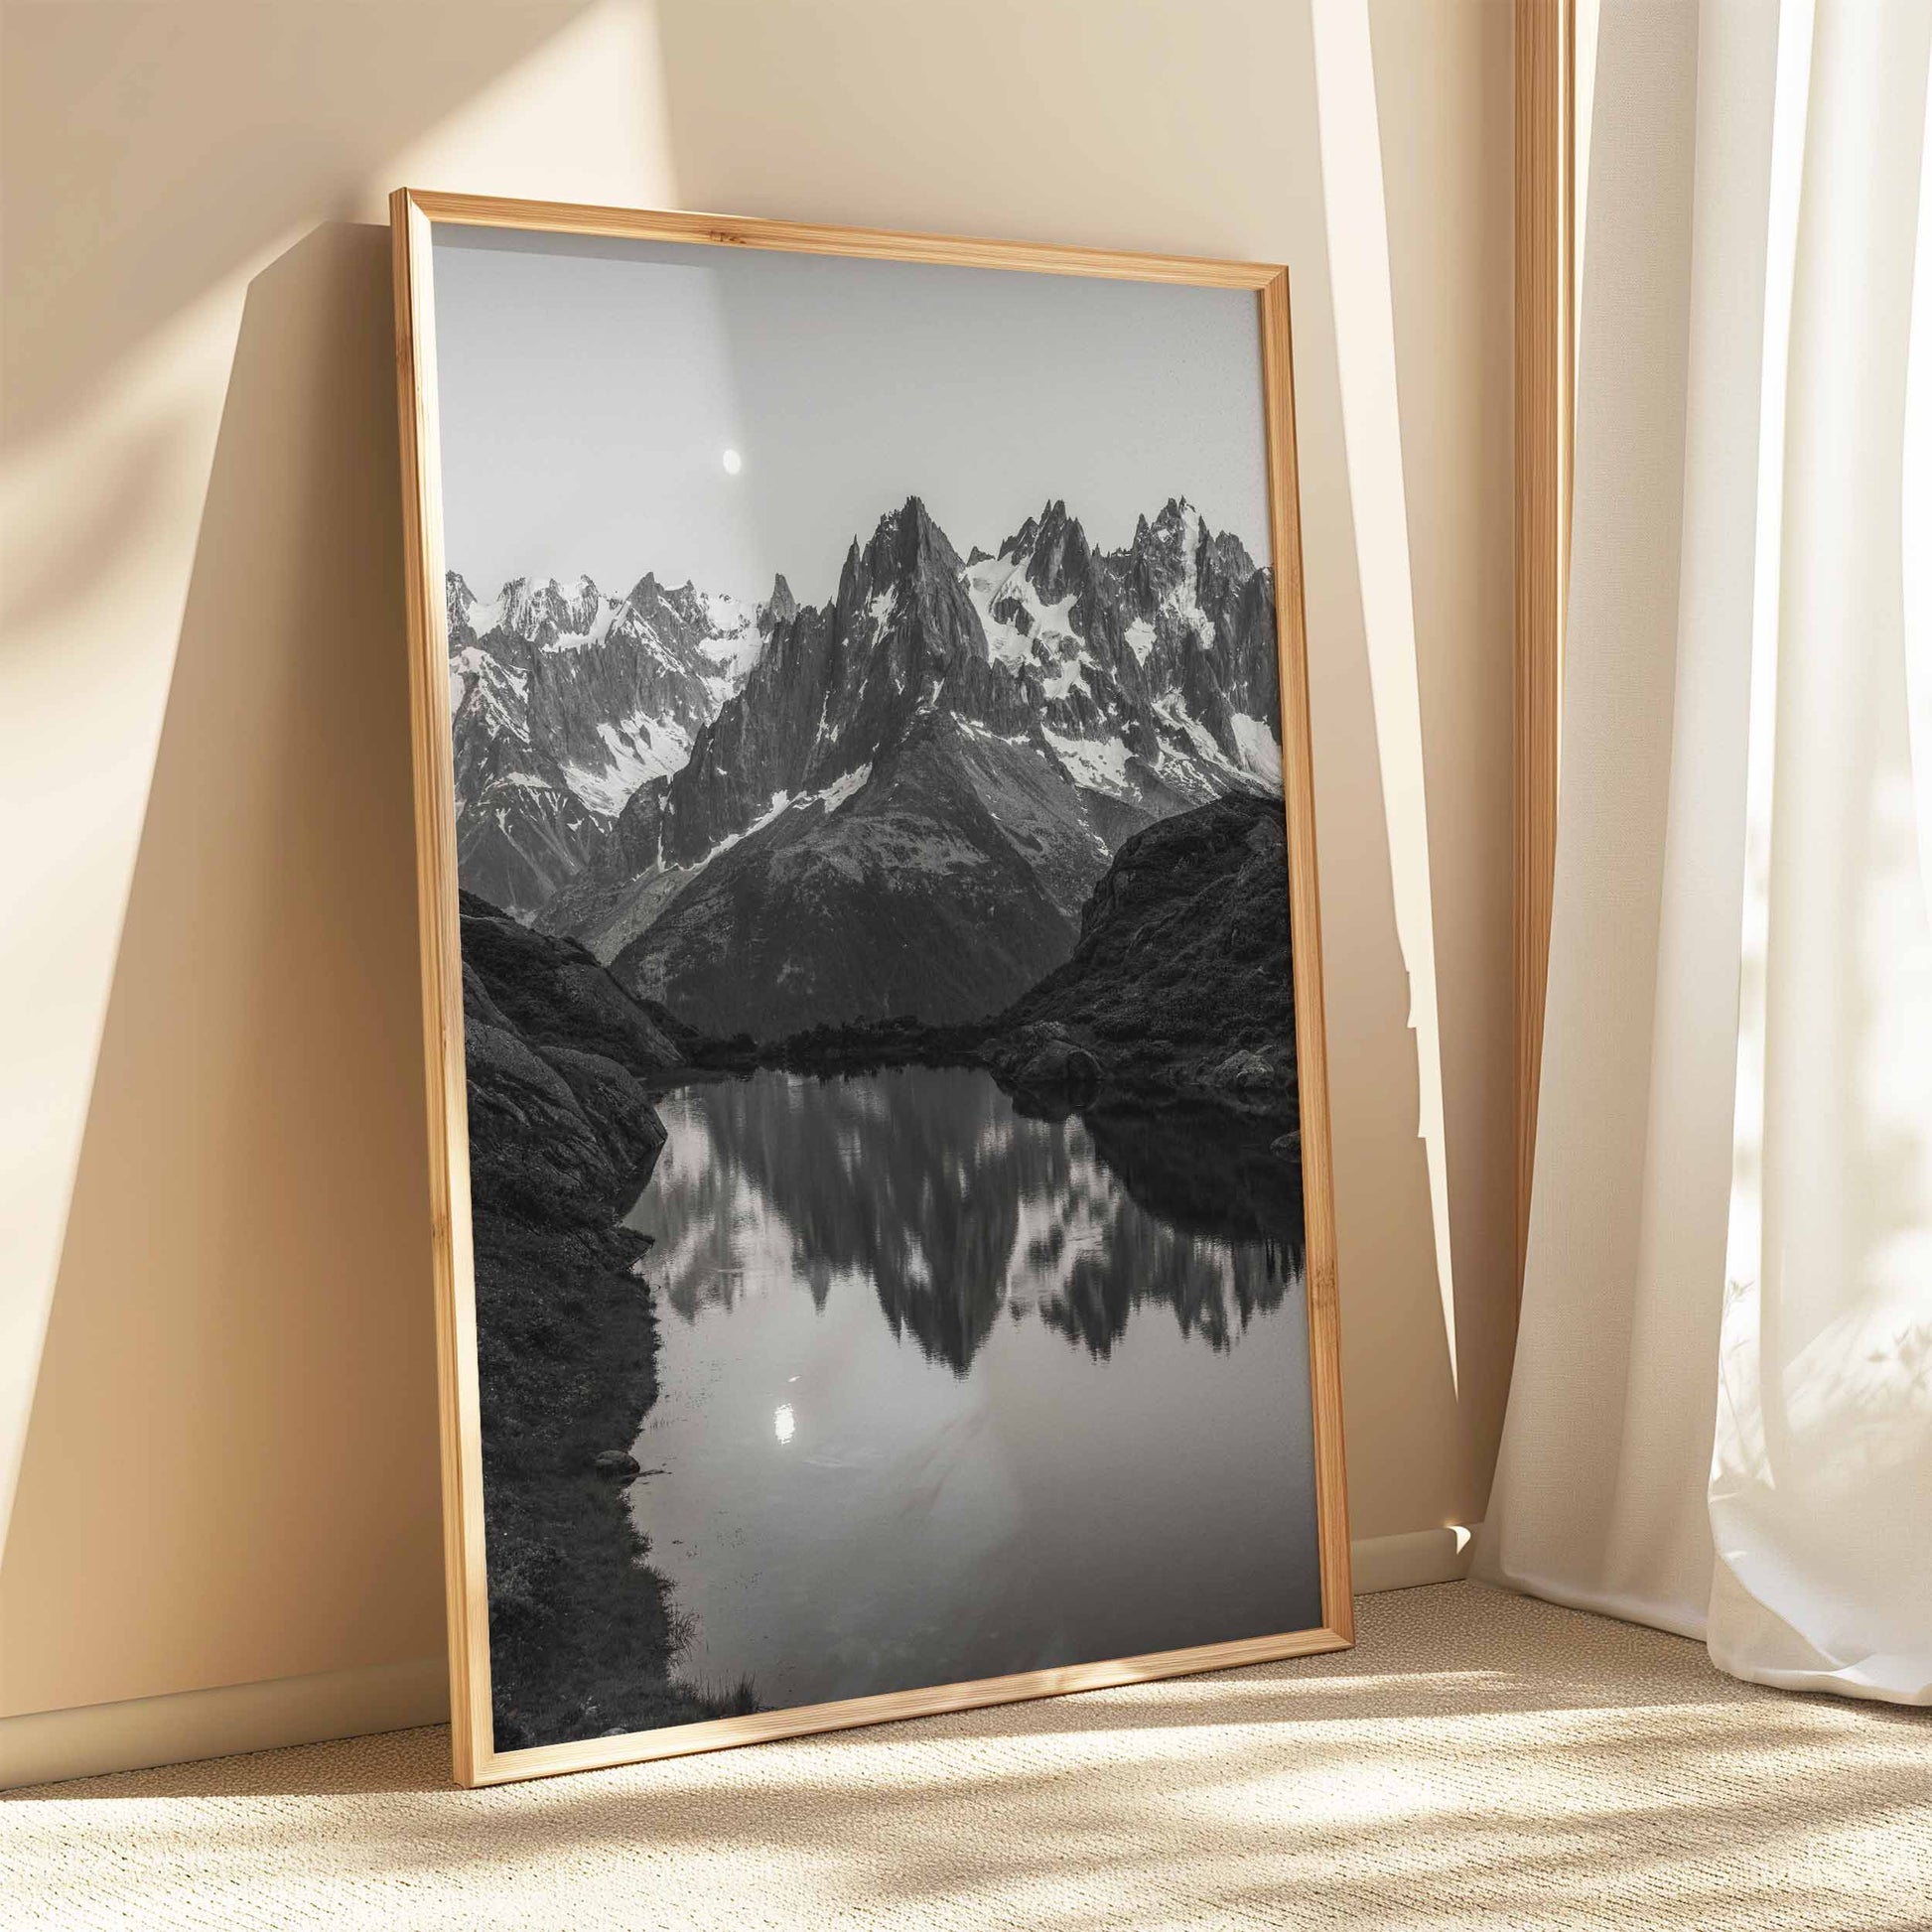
<point x="1821" y="1487"/>
<point x="1721" y="1421"/>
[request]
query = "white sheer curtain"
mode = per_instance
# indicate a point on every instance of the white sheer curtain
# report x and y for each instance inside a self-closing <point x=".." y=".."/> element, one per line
<point x="1721" y="1421"/>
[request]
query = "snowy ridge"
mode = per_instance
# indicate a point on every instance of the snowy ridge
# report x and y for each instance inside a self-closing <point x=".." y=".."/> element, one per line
<point x="620" y="745"/>
<point x="563" y="702"/>
<point x="1097" y="638"/>
<point x="640" y="752"/>
<point x="733" y="642"/>
<point x="1261" y="749"/>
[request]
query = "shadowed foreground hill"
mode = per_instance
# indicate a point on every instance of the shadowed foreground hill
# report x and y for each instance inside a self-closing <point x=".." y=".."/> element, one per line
<point x="1180" y="983"/>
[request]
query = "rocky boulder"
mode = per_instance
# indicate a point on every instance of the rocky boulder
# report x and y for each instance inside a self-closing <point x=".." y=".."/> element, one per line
<point x="554" y="992"/>
<point x="562" y="1132"/>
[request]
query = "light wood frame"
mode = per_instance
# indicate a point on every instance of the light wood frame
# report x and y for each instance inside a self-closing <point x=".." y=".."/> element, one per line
<point x="1546" y="335"/>
<point x="476" y="1761"/>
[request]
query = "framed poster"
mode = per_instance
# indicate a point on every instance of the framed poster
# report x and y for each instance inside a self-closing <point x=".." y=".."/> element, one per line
<point x="882" y="1241"/>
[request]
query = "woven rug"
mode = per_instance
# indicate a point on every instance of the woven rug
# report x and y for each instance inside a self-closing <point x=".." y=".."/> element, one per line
<point x="1478" y="1760"/>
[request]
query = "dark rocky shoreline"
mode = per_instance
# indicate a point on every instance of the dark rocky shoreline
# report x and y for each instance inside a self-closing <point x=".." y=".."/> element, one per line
<point x="583" y="1630"/>
<point x="562" y="1139"/>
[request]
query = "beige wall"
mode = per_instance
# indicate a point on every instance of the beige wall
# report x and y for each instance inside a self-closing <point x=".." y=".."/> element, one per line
<point x="211" y="1192"/>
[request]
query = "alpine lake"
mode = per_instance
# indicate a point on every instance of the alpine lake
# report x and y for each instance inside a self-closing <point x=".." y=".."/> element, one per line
<point x="949" y="1391"/>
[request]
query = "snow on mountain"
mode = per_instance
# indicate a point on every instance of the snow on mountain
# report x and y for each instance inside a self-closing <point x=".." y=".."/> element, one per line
<point x="482" y="618"/>
<point x="1021" y="627"/>
<point x="603" y="612"/>
<point x="731" y="646"/>
<point x="725" y="612"/>
<point x="562" y="702"/>
<point x="1100" y="763"/>
<point x="828" y="800"/>
<point x="638" y="751"/>
<point x="1139" y="660"/>
<point x="1260" y="747"/>
<point x="843" y="788"/>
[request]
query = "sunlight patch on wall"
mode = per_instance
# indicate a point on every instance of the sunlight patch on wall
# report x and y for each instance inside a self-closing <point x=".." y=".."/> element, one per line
<point x="1364" y="303"/>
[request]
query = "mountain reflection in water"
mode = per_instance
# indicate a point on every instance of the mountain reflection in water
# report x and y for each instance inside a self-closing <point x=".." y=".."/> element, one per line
<point x="1043" y="1400"/>
<point x="928" y="1187"/>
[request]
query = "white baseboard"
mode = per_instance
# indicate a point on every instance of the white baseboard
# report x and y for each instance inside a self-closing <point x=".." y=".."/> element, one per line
<point x="142" y="1732"/>
<point x="1407" y="1561"/>
<point x="138" y="1733"/>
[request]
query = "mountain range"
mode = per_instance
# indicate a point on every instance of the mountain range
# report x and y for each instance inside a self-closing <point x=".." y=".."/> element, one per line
<point x="563" y="702"/>
<point x="891" y="803"/>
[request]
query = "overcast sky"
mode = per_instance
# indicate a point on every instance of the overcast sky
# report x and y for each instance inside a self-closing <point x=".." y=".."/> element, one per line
<point x="590" y="390"/>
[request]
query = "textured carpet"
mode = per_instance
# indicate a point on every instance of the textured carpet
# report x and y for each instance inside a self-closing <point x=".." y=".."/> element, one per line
<point x="1477" y="1760"/>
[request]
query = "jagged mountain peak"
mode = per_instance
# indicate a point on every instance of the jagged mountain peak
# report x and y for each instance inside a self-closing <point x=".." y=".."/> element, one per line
<point x="459" y="608"/>
<point x="1166" y="554"/>
<point x="913" y="511"/>
<point x="910" y="536"/>
<point x="528" y="605"/>
<point x="538" y="587"/>
<point x="1021" y="543"/>
<point x="1054" y="549"/>
<point x="564" y="703"/>
<point x="907" y="549"/>
<point x="1178" y="526"/>
<point x="779" y="607"/>
<point x="650" y="598"/>
<point x="1226" y="559"/>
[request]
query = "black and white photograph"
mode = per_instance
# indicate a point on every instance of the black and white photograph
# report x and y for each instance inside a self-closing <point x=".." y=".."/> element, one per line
<point x="885" y="1148"/>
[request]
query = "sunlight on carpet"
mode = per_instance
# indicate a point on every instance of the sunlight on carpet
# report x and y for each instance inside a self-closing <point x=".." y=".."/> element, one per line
<point x="1478" y="1760"/>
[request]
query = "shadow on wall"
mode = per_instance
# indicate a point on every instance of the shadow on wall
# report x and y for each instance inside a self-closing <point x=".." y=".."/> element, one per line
<point x="249" y="1222"/>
